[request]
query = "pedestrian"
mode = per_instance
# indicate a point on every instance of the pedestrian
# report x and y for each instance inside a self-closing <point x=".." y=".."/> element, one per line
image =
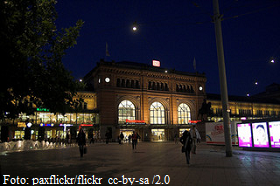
<point x="81" y="141"/>
<point x="108" y="136"/>
<point x="121" y="137"/>
<point x="186" y="140"/>
<point x="175" y="138"/>
<point x="195" y="138"/>
<point x="129" y="138"/>
<point x="134" y="138"/>
<point x="92" y="140"/>
<point x="68" y="137"/>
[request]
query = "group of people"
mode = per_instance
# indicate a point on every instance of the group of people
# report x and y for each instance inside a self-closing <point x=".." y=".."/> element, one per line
<point x="132" y="137"/>
<point x="81" y="139"/>
<point x="189" y="141"/>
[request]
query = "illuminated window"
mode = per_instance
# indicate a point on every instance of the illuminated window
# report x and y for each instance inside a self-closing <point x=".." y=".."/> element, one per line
<point x="126" y="111"/>
<point x="157" y="113"/>
<point x="184" y="113"/>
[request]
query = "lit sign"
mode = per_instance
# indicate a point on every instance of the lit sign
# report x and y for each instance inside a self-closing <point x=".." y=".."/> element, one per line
<point x="135" y="121"/>
<point x="274" y="130"/>
<point x="260" y="134"/>
<point x="65" y="125"/>
<point x="194" y="121"/>
<point x="244" y="135"/>
<point x="46" y="125"/>
<point x="43" y="109"/>
<point x="21" y="124"/>
<point x="156" y="63"/>
<point x="85" y="125"/>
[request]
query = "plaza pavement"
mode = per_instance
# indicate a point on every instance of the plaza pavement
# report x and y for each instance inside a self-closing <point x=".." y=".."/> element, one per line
<point x="151" y="163"/>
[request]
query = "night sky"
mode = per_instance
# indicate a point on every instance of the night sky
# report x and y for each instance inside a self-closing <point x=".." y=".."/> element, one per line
<point x="175" y="32"/>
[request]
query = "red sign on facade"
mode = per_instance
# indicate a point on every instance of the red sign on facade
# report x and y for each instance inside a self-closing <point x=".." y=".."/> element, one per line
<point x="85" y="125"/>
<point x="156" y="63"/>
<point x="127" y="121"/>
<point x="194" y="121"/>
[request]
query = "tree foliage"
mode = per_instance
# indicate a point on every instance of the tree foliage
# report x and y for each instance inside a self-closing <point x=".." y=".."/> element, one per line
<point x="32" y="72"/>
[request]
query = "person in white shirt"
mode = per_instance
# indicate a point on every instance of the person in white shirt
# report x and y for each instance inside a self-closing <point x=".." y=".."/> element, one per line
<point x="195" y="137"/>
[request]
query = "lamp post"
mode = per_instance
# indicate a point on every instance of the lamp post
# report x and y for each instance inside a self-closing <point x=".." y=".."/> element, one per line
<point x="222" y="74"/>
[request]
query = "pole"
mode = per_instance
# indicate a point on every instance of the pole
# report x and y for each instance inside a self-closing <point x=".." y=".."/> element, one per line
<point x="222" y="74"/>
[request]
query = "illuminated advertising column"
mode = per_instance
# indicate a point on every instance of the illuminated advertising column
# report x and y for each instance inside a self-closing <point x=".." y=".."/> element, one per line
<point x="244" y="135"/>
<point x="274" y="131"/>
<point x="260" y="135"/>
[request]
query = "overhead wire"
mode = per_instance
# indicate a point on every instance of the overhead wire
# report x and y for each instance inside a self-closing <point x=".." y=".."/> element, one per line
<point x="251" y="12"/>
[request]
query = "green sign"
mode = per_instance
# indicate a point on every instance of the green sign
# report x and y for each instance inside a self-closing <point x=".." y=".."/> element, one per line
<point x="43" y="109"/>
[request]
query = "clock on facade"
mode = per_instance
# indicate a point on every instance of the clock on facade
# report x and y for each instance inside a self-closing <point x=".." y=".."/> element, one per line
<point x="200" y="88"/>
<point x="107" y="80"/>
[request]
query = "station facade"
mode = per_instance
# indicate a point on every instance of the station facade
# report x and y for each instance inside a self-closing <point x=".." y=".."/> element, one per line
<point x="155" y="102"/>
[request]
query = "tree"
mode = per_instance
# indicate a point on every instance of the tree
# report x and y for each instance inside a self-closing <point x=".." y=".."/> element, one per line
<point x="32" y="72"/>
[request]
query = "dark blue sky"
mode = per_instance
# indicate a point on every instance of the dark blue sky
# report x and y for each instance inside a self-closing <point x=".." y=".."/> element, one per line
<point x="176" y="31"/>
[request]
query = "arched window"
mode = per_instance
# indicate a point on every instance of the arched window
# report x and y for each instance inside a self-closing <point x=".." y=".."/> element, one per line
<point x="184" y="114"/>
<point x="126" y="110"/>
<point x="157" y="113"/>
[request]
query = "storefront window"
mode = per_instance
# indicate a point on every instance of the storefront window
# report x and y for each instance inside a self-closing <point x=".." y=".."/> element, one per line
<point x="80" y="118"/>
<point x="88" y="118"/>
<point x="184" y="114"/>
<point x="60" y="118"/>
<point x="126" y="111"/>
<point x="70" y="118"/>
<point x="157" y="113"/>
<point x="23" y="117"/>
<point x="44" y="117"/>
<point x="19" y="135"/>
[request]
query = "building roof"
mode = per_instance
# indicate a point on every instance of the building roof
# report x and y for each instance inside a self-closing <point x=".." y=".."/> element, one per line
<point x="272" y="90"/>
<point x="246" y="99"/>
<point x="143" y="66"/>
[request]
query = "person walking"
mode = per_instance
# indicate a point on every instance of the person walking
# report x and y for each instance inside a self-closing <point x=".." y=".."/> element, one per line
<point x="81" y="141"/>
<point x="195" y="138"/>
<point x="176" y="138"/>
<point x="108" y="136"/>
<point x="68" y="137"/>
<point x="121" y="137"/>
<point x="186" y="140"/>
<point x="134" y="138"/>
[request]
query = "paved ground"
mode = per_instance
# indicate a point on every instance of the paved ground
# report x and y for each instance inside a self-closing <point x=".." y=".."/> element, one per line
<point x="151" y="163"/>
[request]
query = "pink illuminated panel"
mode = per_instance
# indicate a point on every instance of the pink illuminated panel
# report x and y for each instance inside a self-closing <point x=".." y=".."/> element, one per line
<point x="244" y="135"/>
<point x="274" y="130"/>
<point x="260" y="134"/>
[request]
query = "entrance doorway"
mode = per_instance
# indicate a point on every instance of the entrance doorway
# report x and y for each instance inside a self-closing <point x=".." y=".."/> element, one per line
<point x="126" y="134"/>
<point x="158" y="134"/>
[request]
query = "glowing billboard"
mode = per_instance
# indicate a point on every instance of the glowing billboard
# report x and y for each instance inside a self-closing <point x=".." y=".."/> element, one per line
<point x="274" y="131"/>
<point x="260" y="134"/>
<point x="244" y="135"/>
